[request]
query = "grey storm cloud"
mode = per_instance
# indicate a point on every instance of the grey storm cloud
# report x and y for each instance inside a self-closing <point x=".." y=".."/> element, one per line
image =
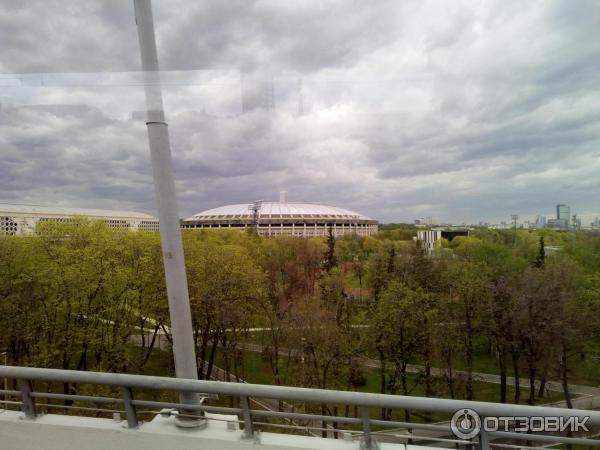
<point x="463" y="111"/>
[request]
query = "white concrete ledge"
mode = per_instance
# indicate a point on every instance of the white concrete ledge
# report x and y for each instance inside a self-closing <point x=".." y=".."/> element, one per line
<point x="57" y="432"/>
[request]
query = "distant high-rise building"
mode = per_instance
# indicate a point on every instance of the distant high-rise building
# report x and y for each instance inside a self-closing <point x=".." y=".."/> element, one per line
<point x="563" y="212"/>
<point x="563" y="218"/>
<point x="540" y="221"/>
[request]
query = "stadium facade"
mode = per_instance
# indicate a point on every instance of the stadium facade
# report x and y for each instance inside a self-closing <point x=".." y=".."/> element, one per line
<point x="270" y="218"/>
<point x="283" y="218"/>
<point x="21" y="220"/>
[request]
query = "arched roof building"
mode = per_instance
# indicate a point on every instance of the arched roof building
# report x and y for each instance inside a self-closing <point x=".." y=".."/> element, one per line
<point x="277" y="218"/>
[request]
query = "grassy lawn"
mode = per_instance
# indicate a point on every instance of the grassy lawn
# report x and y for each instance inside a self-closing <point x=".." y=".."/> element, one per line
<point x="255" y="370"/>
<point x="583" y="370"/>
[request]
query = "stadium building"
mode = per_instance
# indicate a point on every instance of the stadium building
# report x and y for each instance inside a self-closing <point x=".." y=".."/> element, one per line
<point x="283" y="218"/>
<point x="21" y="220"/>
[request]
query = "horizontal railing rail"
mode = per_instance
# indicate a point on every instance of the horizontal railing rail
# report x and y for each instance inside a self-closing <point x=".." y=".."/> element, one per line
<point x="126" y="383"/>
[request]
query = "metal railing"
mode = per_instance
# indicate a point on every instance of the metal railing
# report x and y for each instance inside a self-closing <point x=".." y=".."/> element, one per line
<point x="253" y="418"/>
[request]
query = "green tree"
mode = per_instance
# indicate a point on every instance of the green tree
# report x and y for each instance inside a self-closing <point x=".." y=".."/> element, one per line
<point x="539" y="303"/>
<point x="226" y="288"/>
<point x="470" y="289"/>
<point x="540" y="259"/>
<point x="402" y="324"/>
<point x="330" y="260"/>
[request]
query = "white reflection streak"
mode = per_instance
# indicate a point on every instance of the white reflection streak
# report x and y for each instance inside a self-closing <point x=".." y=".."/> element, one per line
<point x="217" y="92"/>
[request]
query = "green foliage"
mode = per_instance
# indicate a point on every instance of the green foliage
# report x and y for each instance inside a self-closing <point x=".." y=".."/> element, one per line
<point x="397" y="232"/>
<point x="540" y="259"/>
<point x="403" y="322"/>
<point x="226" y="288"/>
<point x="78" y="295"/>
<point x="330" y="260"/>
<point x="82" y="297"/>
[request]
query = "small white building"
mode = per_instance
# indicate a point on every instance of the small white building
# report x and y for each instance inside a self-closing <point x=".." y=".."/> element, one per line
<point x="21" y="220"/>
<point x="428" y="238"/>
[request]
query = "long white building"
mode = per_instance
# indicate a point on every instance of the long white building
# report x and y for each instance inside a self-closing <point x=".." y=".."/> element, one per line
<point x="21" y="220"/>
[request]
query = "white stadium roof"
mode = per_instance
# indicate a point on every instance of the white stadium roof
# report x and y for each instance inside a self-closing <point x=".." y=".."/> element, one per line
<point x="279" y="209"/>
<point x="8" y="209"/>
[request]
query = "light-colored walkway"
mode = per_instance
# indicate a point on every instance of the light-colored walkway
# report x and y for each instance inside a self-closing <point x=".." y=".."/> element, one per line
<point x="574" y="389"/>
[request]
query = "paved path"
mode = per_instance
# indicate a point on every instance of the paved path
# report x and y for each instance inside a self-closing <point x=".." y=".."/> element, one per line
<point x="478" y="376"/>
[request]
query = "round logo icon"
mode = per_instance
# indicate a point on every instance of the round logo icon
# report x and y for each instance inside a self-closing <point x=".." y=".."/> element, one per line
<point x="465" y="423"/>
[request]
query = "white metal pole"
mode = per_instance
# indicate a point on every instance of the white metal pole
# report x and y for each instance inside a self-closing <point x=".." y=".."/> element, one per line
<point x="5" y="378"/>
<point x="168" y="214"/>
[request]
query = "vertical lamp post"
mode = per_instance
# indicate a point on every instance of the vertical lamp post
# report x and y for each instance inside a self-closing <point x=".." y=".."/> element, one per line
<point x="514" y="218"/>
<point x="5" y="354"/>
<point x="168" y="214"/>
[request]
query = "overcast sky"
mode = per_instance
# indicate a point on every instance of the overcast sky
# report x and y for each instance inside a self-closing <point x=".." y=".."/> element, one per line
<point x="462" y="111"/>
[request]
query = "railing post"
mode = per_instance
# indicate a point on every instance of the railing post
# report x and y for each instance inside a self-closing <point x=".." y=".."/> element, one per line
<point x="247" y="417"/>
<point x="28" y="401"/>
<point x="367" y="442"/>
<point x="484" y="440"/>
<point x="484" y="437"/>
<point x="127" y="394"/>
